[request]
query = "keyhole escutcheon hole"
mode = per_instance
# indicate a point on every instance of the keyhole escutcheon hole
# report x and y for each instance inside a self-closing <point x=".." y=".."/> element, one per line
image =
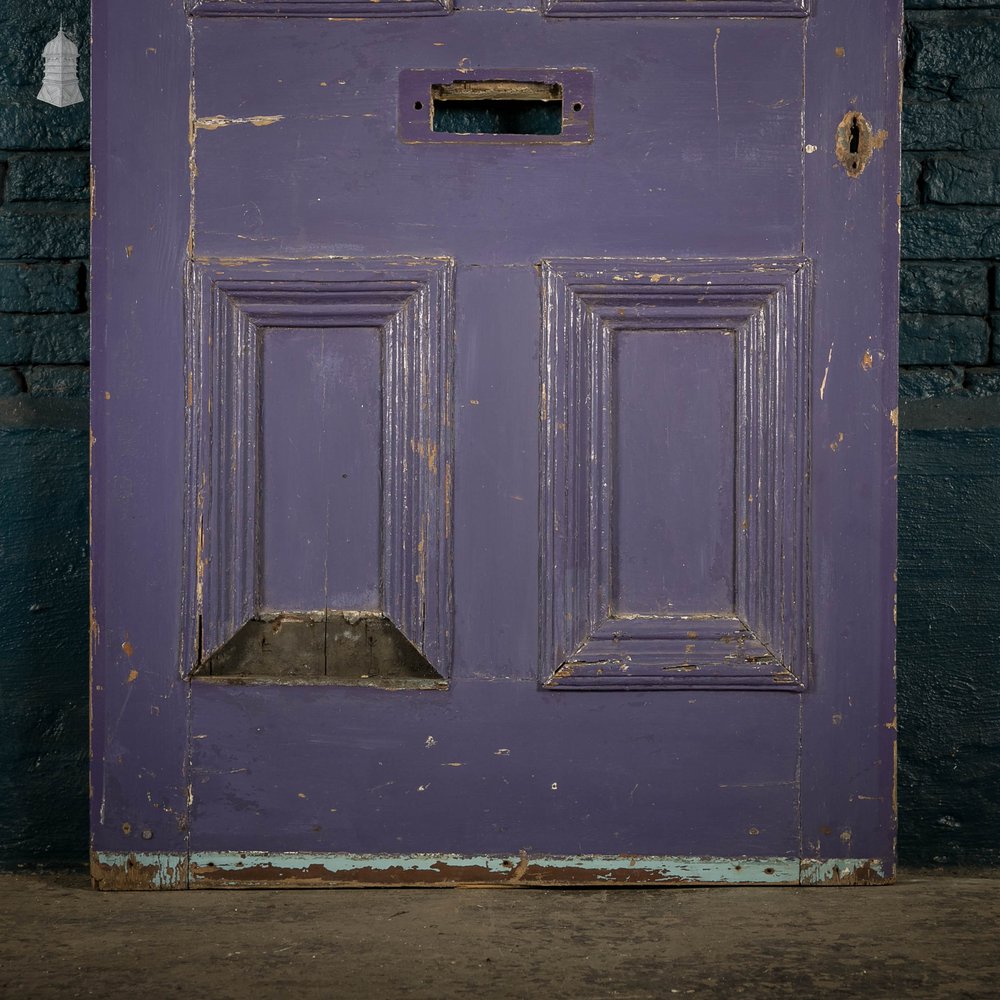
<point x="856" y="142"/>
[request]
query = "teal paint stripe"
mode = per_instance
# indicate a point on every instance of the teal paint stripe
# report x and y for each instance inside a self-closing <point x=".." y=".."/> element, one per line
<point x="167" y="868"/>
<point x="735" y="871"/>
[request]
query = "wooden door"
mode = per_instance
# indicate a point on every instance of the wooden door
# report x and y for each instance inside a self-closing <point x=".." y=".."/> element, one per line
<point x="494" y="442"/>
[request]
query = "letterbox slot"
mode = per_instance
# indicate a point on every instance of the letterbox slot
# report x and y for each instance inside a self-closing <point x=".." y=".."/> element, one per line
<point x="513" y="107"/>
<point x="497" y="107"/>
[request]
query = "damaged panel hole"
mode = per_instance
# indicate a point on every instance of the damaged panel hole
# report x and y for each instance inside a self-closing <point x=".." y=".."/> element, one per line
<point x="497" y="107"/>
<point x="855" y="143"/>
<point x="339" y="647"/>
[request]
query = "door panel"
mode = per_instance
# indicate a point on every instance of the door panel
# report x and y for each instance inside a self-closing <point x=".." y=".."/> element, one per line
<point x="669" y="135"/>
<point x="321" y="408"/>
<point x="533" y="520"/>
<point x="669" y="392"/>
<point x="501" y="766"/>
<point x="402" y="312"/>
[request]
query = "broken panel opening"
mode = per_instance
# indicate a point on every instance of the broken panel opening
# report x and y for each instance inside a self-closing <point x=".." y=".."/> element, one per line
<point x="497" y="107"/>
<point x="339" y="647"/>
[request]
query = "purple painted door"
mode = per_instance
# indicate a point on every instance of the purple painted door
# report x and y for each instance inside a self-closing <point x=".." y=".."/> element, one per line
<point x="494" y="442"/>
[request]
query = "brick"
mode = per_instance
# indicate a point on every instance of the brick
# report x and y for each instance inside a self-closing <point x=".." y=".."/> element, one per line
<point x="51" y="339"/>
<point x="951" y="125"/>
<point x="949" y="579"/>
<point x="995" y="349"/>
<point x="954" y="233"/>
<point x="43" y="644"/>
<point x="11" y="382"/>
<point x="44" y="235"/>
<point x="926" y="383"/>
<point x="962" y="180"/>
<point x="912" y="168"/>
<point x="40" y="288"/>
<point x="47" y="177"/>
<point x="66" y="381"/>
<point x="950" y="4"/>
<point x="943" y="340"/>
<point x="944" y="288"/>
<point x="954" y="55"/>
<point x="983" y="381"/>
<point x="27" y="27"/>
<point x="33" y="126"/>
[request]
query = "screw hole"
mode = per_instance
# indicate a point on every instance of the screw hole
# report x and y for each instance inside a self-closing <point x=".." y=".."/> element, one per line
<point x="578" y="106"/>
<point x="417" y="105"/>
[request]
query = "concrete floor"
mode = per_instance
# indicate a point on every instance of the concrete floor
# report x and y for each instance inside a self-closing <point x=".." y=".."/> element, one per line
<point x="932" y="935"/>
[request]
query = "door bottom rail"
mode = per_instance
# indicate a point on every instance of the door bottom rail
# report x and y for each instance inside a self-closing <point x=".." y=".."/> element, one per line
<point x="252" y="869"/>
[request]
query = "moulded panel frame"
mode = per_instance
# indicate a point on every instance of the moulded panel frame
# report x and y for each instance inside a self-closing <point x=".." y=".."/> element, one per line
<point x="318" y="8"/>
<point x="676" y="8"/>
<point x="231" y="308"/>
<point x="763" y="641"/>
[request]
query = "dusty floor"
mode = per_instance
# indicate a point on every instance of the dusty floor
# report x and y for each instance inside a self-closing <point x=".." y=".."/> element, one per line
<point x="931" y="935"/>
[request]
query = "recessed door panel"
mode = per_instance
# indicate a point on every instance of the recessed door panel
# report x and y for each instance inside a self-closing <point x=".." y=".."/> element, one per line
<point x="673" y="448"/>
<point x="321" y="409"/>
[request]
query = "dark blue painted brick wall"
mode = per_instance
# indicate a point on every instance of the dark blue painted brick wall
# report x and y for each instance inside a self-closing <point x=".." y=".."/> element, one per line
<point x="44" y="181"/>
<point x="949" y="569"/>
<point x="949" y="585"/>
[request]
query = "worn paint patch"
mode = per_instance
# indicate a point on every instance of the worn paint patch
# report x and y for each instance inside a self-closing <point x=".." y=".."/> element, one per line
<point x="135" y="870"/>
<point x="847" y="871"/>
<point x="212" y="122"/>
<point x="232" y="869"/>
<point x="236" y="869"/>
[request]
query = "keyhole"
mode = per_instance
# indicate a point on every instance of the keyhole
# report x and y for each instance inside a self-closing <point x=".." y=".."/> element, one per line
<point x="855" y="142"/>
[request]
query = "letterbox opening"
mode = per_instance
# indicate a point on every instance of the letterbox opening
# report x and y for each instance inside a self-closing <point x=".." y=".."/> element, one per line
<point x="497" y="107"/>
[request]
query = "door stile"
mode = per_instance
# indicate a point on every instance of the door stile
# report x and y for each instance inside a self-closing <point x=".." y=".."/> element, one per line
<point x="139" y="721"/>
<point x="848" y="796"/>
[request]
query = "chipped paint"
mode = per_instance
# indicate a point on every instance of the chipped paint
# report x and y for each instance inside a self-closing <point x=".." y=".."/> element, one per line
<point x="144" y="871"/>
<point x="134" y="870"/>
<point x="847" y="871"/>
<point x="213" y="122"/>
<point x="826" y="374"/>
<point x="230" y="869"/>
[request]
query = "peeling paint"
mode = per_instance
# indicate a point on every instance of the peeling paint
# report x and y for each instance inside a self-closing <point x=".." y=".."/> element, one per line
<point x="138" y="871"/>
<point x="213" y="122"/>
<point x="826" y="374"/>
<point x="233" y="869"/>
<point x="847" y="871"/>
